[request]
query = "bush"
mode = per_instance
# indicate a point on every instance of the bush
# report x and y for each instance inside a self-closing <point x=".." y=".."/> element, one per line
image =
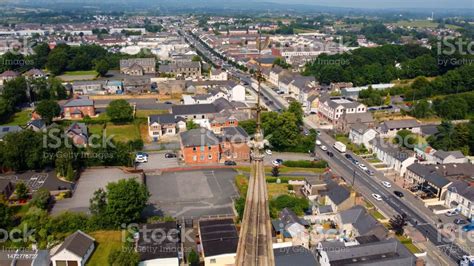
<point x="306" y="164"/>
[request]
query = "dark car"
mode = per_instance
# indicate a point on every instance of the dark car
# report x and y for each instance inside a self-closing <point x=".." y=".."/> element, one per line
<point x="280" y="161"/>
<point x="330" y="154"/>
<point x="459" y="221"/>
<point x="348" y="156"/>
<point x="230" y="163"/>
<point x="398" y="193"/>
<point x="170" y="155"/>
<point x="369" y="172"/>
<point x="168" y="102"/>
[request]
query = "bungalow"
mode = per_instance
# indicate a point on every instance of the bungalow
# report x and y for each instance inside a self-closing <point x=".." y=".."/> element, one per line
<point x="75" y="250"/>
<point x="7" y="76"/>
<point x="361" y="134"/>
<point x="88" y="87"/>
<point x="219" y="239"/>
<point x="34" y="74"/>
<point x="154" y="250"/>
<point x="460" y="195"/>
<point x="78" y="108"/>
<point x="36" y="125"/>
<point x="356" y="222"/>
<point x="445" y="157"/>
<point x="392" y="156"/>
<point x="388" y="129"/>
<point x="164" y="125"/>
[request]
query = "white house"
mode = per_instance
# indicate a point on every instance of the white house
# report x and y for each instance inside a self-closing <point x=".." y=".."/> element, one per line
<point x="275" y="75"/>
<point x="332" y="108"/>
<point x="445" y="157"/>
<point x="392" y="156"/>
<point x="164" y="125"/>
<point x="460" y="195"/>
<point x="237" y="93"/>
<point x="74" y="251"/>
<point x="217" y="74"/>
<point x="361" y="134"/>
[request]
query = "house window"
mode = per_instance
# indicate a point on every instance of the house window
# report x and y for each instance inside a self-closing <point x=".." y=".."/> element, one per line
<point x="156" y="133"/>
<point x="195" y="158"/>
<point x="203" y="116"/>
<point x="213" y="261"/>
<point x="209" y="156"/>
<point x="170" y="130"/>
<point x="194" y="148"/>
<point x="202" y="157"/>
<point x="202" y="148"/>
<point x="209" y="148"/>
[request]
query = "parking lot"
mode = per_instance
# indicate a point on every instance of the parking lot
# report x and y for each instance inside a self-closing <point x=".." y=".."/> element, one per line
<point x="89" y="182"/>
<point x="158" y="161"/>
<point x="192" y="194"/>
<point x="286" y="156"/>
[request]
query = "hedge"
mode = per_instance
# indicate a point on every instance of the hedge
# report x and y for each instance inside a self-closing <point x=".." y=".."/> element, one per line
<point x="306" y="164"/>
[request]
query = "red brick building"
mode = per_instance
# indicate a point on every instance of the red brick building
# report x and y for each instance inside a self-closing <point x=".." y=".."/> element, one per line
<point x="200" y="146"/>
<point x="78" y="108"/>
<point x="234" y="144"/>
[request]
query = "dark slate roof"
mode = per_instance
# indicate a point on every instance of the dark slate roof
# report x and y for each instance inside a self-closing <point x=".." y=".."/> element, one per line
<point x="429" y="175"/>
<point x="223" y="104"/>
<point x="192" y="109"/>
<point x="444" y="154"/>
<point x="358" y="117"/>
<point x="4" y="130"/>
<point x="78" y="129"/>
<point x="287" y="216"/>
<point x="359" y="128"/>
<point x="337" y="193"/>
<point x="199" y="137"/>
<point x="385" y="252"/>
<point x="428" y="130"/>
<point x="399" y="153"/>
<point x="296" y="255"/>
<point x="149" y="249"/>
<point x="235" y="134"/>
<point x="218" y="237"/>
<point x="362" y="221"/>
<point x="77" y="243"/>
<point x="403" y="123"/>
<point x="38" y="123"/>
<point x="163" y="119"/>
<point x="4" y="184"/>
<point x="79" y="102"/>
<point x="463" y="188"/>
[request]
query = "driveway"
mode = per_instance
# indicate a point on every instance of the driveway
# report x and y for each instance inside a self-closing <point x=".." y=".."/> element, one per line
<point x="89" y="182"/>
<point x="158" y="161"/>
<point x="192" y="194"/>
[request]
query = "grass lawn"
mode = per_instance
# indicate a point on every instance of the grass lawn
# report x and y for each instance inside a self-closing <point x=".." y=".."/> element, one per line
<point x="374" y="160"/>
<point x="285" y="170"/>
<point x="423" y="24"/>
<point x="409" y="244"/>
<point x="357" y="149"/>
<point x="146" y="113"/>
<point x="19" y="118"/>
<point x="123" y="133"/>
<point x="377" y="215"/>
<point x="275" y="190"/>
<point x="95" y="129"/>
<point x="106" y="242"/>
<point x="81" y="73"/>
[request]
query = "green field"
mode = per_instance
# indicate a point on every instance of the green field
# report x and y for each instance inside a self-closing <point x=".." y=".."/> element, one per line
<point x="146" y="113"/>
<point x="422" y="24"/>
<point x="106" y="242"/>
<point x="19" y="119"/>
<point x="80" y="73"/>
<point x="123" y="133"/>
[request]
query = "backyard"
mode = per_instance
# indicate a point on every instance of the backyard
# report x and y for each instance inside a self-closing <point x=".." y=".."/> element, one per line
<point x="106" y="241"/>
<point x="19" y="118"/>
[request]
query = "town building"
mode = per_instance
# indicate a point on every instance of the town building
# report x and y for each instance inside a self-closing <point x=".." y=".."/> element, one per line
<point x="164" y="125"/>
<point x="4" y="130"/>
<point x="394" y="157"/>
<point x="218" y="241"/>
<point x="346" y="121"/>
<point x="218" y="74"/>
<point x="138" y="66"/>
<point x="78" y="108"/>
<point x="199" y="146"/>
<point x="447" y="157"/>
<point x="332" y="108"/>
<point x="460" y="196"/>
<point x="7" y="76"/>
<point x="156" y="250"/>
<point x="356" y="222"/>
<point x="389" y="128"/>
<point x="78" y="133"/>
<point x="75" y="250"/>
<point x="290" y="228"/>
<point x="361" y="134"/>
<point x="234" y="144"/>
<point x="182" y="69"/>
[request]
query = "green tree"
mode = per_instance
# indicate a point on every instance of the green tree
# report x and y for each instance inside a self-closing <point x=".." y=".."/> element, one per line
<point x="196" y="58"/>
<point x="297" y="109"/>
<point x="451" y="108"/>
<point x="119" y="111"/>
<point x="296" y="204"/>
<point x="125" y="256"/>
<point x="281" y="62"/>
<point x="21" y="191"/>
<point x="191" y="125"/>
<point x="240" y="206"/>
<point x="421" y="109"/>
<point x="398" y="223"/>
<point x="41" y="199"/>
<point x="275" y="171"/>
<point x="5" y="216"/>
<point x="102" y="67"/>
<point x="23" y="150"/>
<point x="57" y="61"/>
<point x="193" y="258"/>
<point x="98" y="203"/>
<point x="48" y="109"/>
<point x="405" y="138"/>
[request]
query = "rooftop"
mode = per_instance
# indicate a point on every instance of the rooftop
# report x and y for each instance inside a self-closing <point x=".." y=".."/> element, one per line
<point x="218" y="237"/>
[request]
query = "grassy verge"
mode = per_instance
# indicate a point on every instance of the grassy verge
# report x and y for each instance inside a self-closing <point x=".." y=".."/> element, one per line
<point x="19" y="118"/>
<point x="81" y="73"/>
<point x="377" y="215"/>
<point x="106" y="242"/>
<point x="146" y="113"/>
<point x="409" y="244"/>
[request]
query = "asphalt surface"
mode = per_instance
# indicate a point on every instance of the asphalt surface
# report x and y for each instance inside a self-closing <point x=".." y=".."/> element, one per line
<point x="390" y="203"/>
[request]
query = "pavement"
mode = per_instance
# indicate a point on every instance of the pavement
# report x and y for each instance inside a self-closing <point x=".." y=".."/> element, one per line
<point x="191" y="194"/>
<point x="91" y="180"/>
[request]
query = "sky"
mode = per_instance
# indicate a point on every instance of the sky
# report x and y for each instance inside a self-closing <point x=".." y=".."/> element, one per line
<point x="426" y="4"/>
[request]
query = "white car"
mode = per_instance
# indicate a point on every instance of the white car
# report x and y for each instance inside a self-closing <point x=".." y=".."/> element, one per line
<point x="452" y="213"/>
<point x="363" y="167"/>
<point x="377" y="197"/>
<point x="324" y="148"/>
<point x="318" y="143"/>
<point x="269" y="152"/>
<point x="275" y="163"/>
<point x="386" y="184"/>
<point x="141" y="158"/>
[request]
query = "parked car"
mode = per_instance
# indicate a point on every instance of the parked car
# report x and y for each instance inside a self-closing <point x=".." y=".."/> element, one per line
<point x="468" y="227"/>
<point x="398" y="194"/>
<point x="330" y="154"/>
<point x="276" y="163"/>
<point x="318" y="143"/>
<point x="280" y="161"/>
<point x="168" y="102"/>
<point x="377" y="197"/>
<point x="141" y="158"/>
<point x="363" y="167"/>
<point x="348" y="156"/>
<point x="459" y="221"/>
<point x="269" y="152"/>
<point x="386" y="184"/>
<point x="170" y="155"/>
<point x="452" y="213"/>
<point x="230" y="163"/>
<point x="370" y="172"/>
<point x="324" y="148"/>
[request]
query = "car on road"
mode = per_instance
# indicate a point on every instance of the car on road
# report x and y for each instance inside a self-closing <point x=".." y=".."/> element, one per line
<point x="398" y="194"/>
<point x="363" y="167"/>
<point x="386" y="184"/>
<point x="318" y="143"/>
<point x="170" y="155"/>
<point x="348" y="156"/>
<point x="452" y="213"/>
<point x="141" y="157"/>
<point x="377" y="197"/>
<point x="330" y="154"/>
<point x="168" y="102"/>
<point x="276" y="163"/>
<point x="230" y="163"/>
<point x="459" y="221"/>
<point x="468" y="227"/>
<point x="355" y="161"/>
<point x="324" y="148"/>
<point x="280" y="161"/>
<point x="269" y="152"/>
<point x="370" y="172"/>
